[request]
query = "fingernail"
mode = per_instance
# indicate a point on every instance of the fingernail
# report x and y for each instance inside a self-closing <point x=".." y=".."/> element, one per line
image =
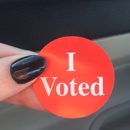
<point x="27" y="68"/>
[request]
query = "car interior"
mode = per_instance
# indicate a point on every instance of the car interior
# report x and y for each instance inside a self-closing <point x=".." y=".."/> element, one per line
<point x="32" y="24"/>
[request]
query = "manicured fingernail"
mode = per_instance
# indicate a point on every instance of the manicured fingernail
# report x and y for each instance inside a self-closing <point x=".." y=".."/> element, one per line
<point x="27" y="68"/>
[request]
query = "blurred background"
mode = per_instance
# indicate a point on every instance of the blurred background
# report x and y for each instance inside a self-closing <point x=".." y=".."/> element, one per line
<point x="31" y="24"/>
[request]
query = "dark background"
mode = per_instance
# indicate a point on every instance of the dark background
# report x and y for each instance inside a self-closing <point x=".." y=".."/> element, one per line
<point x="32" y="24"/>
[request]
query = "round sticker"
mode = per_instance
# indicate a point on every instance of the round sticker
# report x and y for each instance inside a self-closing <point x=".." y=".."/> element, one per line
<point x="78" y="78"/>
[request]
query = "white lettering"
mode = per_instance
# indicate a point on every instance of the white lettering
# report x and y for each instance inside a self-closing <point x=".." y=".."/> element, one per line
<point x="71" y="61"/>
<point x="100" y="86"/>
<point x="58" y="89"/>
<point x="46" y="85"/>
<point x="82" y="87"/>
<point x="96" y="86"/>
<point x="72" y="88"/>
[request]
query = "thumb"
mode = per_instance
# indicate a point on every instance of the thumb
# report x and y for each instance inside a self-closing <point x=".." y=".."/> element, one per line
<point x="18" y="72"/>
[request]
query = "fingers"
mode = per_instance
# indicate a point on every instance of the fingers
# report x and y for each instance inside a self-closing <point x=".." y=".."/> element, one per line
<point x="26" y="98"/>
<point x="18" y="72"/>
<point x="11" y="89"/>
<point x="6" y="50"/>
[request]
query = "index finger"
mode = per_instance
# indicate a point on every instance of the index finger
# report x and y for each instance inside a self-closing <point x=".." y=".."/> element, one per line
<point x="6" y="50"/>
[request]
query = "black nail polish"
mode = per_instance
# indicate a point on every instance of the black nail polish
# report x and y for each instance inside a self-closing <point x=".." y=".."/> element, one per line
<point x="27" y="68"/>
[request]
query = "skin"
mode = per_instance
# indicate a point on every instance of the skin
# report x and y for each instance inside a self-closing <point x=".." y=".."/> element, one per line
<point x="10" y="91"/>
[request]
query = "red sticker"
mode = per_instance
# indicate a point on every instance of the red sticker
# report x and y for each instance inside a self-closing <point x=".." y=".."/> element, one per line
<point x="78" y="78"/>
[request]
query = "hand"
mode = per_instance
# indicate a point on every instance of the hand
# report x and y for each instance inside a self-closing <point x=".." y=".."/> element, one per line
<point x="16" y="78"/>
